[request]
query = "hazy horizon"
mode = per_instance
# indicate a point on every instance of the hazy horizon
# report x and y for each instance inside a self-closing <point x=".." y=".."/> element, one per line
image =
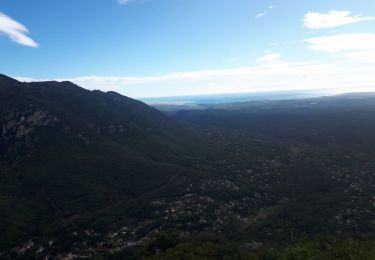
<point x="187" y="129"/>
<point x="157" y="48"/>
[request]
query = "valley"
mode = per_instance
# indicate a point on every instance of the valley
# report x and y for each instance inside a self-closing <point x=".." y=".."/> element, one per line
<point x="94" y="174"/>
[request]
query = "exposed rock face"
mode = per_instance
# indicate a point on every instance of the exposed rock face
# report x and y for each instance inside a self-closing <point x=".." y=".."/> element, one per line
<point x="18" y="131"/>
<point x="22" y="125"/>
<point x="111" y="129"/>
<point x="66" y="151"/>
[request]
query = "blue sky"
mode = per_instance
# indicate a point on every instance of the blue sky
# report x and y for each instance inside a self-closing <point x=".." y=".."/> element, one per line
<point x="144" y="48"/>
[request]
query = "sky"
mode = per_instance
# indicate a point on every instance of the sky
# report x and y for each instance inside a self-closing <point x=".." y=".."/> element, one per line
<point x="155" y="48"/>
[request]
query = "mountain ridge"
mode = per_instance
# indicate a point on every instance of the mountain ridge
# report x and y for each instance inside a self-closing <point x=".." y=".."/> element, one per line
<point x="97" y="146"/>
<point x="87" y="173"/>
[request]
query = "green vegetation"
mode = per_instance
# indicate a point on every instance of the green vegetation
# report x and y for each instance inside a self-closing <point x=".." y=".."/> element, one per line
<point x="67" y="152"/>
<point x="93" y="174"/>
<point x="211" y="246"/>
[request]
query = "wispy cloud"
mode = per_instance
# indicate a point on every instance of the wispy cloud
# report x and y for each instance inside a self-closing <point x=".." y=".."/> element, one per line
<point x="125" y="2"/>
<point x="15" y="31"/>
<point x="355" y="47"/>
<point x="265" y="12"/>
<point x="260" y="15"/>
<point x="343" y="42"/>
<point x="269" y="57"/>
<point x="271" y="73"/>
<point x="362" y="56"/>
<point x="314" y="20"/>
<point x="232" y="59"/>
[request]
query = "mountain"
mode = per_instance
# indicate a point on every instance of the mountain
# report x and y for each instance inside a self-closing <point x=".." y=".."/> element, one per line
<point x="66" y="152"/>
<point x="86" y="174"/>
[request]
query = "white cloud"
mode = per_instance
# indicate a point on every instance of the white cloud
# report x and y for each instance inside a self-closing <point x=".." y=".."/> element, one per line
<point x="15" y="31"/>
<point x="361" y="56"/>
<point x="343" y="42"/>
<point x="269" y="57"/>
<point x="232" y="59"/>
<point x="356" y="47"/>
<point x="265" y="12"/>
<point x="271" y="73"/>
<point x="314" y="20"/>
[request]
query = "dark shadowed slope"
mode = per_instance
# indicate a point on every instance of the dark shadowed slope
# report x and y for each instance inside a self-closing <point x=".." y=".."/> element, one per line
<point x="66" y="152"/>
<point x="91" y="173"/>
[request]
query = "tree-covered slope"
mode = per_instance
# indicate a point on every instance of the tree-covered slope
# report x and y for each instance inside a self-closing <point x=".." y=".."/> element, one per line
<point x="66" y="152"/>
<point x="86" y="174"/>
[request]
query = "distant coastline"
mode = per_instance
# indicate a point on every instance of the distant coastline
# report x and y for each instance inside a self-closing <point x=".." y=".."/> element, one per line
<point x="236" y="97"/>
